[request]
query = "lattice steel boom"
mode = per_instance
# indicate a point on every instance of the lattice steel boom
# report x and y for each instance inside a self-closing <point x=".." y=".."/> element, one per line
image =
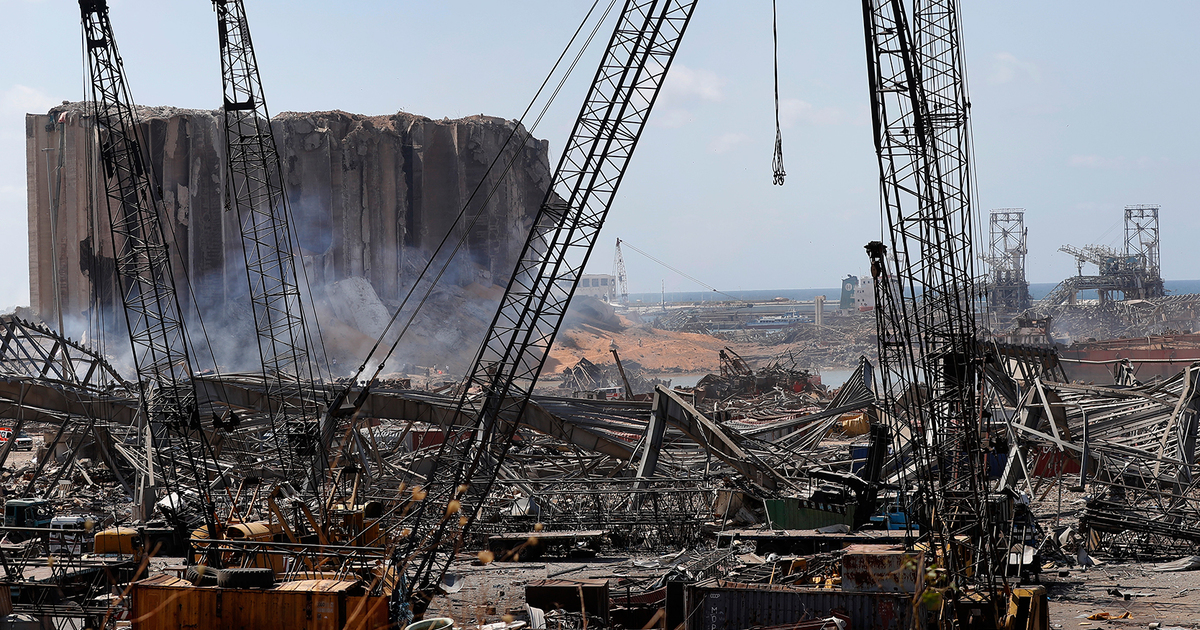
<point x="924" y="276"/>
<point x="255" y="191"/>
<point x="614" y="113"/>
<point x="144" y="273"/>
<point x="619" y="275"/>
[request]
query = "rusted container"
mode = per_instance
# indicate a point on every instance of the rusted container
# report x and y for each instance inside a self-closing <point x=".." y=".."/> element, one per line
<point x="590" y="596"/>
<point x="720" y="605"/>
<point x="168" y="603"/>
<point x="878" y="569"/>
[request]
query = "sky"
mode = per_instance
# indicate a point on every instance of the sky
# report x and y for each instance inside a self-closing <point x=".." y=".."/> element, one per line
<point x="1078" y="110"/>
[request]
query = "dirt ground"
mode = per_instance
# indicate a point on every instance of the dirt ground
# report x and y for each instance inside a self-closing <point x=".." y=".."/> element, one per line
<point x="661" y="351"/>
<point x="1170" y="599"/>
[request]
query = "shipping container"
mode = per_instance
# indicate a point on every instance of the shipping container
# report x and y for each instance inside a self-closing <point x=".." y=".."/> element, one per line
<point x="163" y="602"/>
<point x="723" y="605"/>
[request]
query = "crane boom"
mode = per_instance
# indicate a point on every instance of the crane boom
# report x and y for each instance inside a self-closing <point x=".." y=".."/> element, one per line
<point x="924" y="275"/>
<point x="518" y="341"/>
<point x="256" y="194"/>
<point x="144" y="273"/>
<point x="619" y="276"/>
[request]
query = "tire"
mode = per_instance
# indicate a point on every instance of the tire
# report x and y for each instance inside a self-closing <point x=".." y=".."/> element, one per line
<point x="246" y="578"/>
<point x="209" y="577"/>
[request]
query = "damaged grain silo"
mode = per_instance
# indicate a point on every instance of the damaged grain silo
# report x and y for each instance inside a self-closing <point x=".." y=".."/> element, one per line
<point x="371" y="195"/>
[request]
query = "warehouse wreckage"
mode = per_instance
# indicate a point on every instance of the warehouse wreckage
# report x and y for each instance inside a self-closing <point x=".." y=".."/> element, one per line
<point x="785" y="472"/>
<point x="359" y="498"/>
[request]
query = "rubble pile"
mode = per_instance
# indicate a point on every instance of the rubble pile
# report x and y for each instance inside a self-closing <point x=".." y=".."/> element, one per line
<point x="757" y="480"/>
<point x="1121" y="319"/>
<point x="587" y="376"/>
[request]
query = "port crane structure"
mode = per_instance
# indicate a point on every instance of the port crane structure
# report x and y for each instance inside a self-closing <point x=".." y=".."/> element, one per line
<point x="925" y="280"/>
<point x="170" y="408"/>
<point x="606" y="133"/>
<point x="255" y="193"/>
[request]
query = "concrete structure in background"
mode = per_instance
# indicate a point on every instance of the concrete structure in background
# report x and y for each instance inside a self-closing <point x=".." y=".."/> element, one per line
<point x="598" y="285"/>
<point x="371" y="197"/>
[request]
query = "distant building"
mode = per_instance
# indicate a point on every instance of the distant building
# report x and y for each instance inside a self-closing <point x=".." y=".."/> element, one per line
<point x="598" y="285"/>
<point x="864" y="294"/>
<point x="849" y="284"/>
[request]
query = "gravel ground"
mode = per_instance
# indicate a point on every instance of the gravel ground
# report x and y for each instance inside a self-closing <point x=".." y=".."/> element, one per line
<point x="1170" y="599"/>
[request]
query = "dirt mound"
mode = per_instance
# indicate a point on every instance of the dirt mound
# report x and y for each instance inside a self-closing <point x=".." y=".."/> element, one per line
<point x="656" y="350"/>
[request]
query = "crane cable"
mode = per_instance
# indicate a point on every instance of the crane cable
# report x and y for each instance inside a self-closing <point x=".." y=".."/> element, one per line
<point x="777" y="161"/>
<point x="703" y="284"/>
<point x="463" y="212"/>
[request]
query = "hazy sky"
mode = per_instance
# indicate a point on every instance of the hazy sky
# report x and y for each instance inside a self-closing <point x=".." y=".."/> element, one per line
<point x="1079" y="108"/>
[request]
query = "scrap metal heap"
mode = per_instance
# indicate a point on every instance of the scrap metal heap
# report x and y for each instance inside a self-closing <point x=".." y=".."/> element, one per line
<point x="279" y="475"/>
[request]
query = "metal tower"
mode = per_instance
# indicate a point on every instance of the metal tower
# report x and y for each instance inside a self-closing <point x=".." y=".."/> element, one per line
<point x="1141" y="236"/>
<point x="619" y="276"/>
<point x="1010" y="289"/>
<point x="924" y="278"/>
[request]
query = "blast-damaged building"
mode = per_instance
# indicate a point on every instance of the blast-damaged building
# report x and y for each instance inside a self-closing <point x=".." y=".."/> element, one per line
<point x="371" y="197"/>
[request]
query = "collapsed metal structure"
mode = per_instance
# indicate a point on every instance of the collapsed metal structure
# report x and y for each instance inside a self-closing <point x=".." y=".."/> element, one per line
<point x="405" y="479"/>
<point x="929" y="365"/>
<point x="1133" y="274"/>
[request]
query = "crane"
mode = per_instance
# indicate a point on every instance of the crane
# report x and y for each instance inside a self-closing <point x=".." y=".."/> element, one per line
<point x="924" y="277"/>
<point x="145" y="278"/>
<point x="619" y="276"/>
<point x="1106" y="258"/>
<point x="506" y="368"/>
<point x="255" y="193"/>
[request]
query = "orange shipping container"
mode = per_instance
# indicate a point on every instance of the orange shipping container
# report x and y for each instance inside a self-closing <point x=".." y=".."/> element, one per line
<point x="164" y="602"/>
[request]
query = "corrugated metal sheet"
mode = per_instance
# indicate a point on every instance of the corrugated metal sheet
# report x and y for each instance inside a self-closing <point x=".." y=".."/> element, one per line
<point x="169" y="603"/>
<point x="723" y="605"/>
<point x="794" y="513"/>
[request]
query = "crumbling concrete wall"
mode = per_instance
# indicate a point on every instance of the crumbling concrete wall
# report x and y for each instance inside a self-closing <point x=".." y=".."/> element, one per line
<point x="371" y="196"/>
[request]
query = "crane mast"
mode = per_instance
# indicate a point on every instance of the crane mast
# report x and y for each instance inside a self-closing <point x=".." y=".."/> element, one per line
<point x="255" y="192"/>
<point x="924" y="276"/>
<point x="619" y="276"/>
<point x="144" y="274"/>
<point x="518" y="341"/>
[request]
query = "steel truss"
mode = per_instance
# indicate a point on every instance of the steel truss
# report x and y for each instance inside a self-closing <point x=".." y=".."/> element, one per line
<point x="924" y="281"/>
<point x="1009" y="289"/>
<point x="144" y="273"/>
<point x="255" y="191"/>
<point x="607" y="131"/>
<point x="1142" y="242"/>
<point x="1140" y="445"/>
<point x="30" y="350"/>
